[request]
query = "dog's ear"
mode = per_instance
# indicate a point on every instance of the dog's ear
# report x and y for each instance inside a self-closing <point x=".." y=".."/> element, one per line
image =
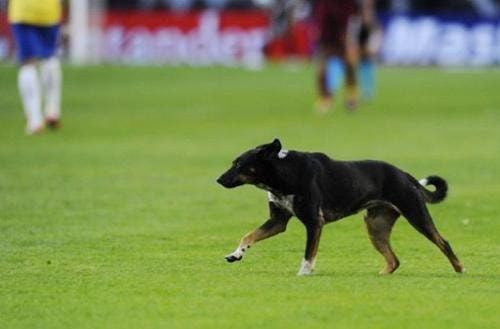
<point x="271" y="149"/>
<point x="276" y="144"/>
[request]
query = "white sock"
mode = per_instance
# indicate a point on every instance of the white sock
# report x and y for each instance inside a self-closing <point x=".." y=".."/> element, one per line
<point x="50" y="70"/>
<point x="29" y="89"/>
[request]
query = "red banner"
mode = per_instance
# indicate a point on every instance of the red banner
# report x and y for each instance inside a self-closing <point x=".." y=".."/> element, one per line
<point x="196" y="38"/>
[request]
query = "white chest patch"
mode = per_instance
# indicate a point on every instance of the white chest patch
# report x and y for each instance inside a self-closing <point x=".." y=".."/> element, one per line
<point x="285" y="202"/>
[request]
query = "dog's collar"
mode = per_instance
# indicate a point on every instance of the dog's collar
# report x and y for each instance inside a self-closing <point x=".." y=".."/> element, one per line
<point x="282" y="154"/>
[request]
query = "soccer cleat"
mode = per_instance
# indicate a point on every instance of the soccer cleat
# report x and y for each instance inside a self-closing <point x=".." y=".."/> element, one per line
<point x="323" y="104"/>
<point x="35" y="131"/>
<point x="53" y="123"/>
<point x="351" y="105"/>
<point x="352" y="102"/>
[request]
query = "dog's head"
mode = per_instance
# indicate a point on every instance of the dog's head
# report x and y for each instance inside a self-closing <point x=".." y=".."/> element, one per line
<point x="252" y="167"/>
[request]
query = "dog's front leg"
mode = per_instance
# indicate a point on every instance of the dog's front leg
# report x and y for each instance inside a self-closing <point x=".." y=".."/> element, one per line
<point x="311" y="217"/>
<point x="313" y="237"/>
<point x="277" y="224"/>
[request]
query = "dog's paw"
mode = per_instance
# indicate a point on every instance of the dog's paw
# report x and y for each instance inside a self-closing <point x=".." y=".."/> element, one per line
<point x="389" y="268"/>
<point x="233" y="258"/>
<point x="306" y="268"/>
<point x="385" y="271"/>
<point x="302" y="272"/>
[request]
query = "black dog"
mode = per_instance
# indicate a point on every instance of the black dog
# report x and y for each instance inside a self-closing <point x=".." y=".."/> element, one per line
<point x="319" y="190"/>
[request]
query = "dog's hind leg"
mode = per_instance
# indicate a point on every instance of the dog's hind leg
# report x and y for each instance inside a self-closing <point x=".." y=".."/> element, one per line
<point x="379" y="222"/>
<point x="419" y="217"/>
<point x="277" y="224"/>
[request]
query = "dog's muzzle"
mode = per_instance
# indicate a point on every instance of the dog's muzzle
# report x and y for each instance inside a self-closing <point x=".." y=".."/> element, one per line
<point x="228" y="180"/>
<point x="220" y="180"/>
<point x="224" y="181"/>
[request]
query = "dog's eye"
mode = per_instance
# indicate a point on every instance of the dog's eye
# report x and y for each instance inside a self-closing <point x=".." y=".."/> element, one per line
<point x="237" y="165"/>
<point x="252" y="170"/>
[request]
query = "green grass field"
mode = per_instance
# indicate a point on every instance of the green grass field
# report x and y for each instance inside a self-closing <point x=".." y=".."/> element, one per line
<point x="116" y="220"/>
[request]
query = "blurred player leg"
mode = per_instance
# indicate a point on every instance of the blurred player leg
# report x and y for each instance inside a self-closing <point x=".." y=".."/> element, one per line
<point x="352" y="89"/>
<point x="352" y="60"/>
<point x="335" y="74"/>
<point x="325" y="23"/>
<point x="330" y="71"/>
<point x="370" y="39"/>
<point x="367" y="78"/>
<point x="29" y="88"/>
<point x="368" y="67"/>
<point x="28" y="81"/>
<point x="51" y="82"/>
<point x="50" y="69"/>
<point x="324" y="100"/>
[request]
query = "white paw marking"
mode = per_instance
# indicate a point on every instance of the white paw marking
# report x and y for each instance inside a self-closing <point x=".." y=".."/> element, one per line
<point x="238" y="253"/>
<point x="306" y="268"/>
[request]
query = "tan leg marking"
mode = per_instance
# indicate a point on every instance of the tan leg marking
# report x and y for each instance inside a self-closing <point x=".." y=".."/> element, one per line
<point x="379" y="222"/>
<point x="267" y="230"/>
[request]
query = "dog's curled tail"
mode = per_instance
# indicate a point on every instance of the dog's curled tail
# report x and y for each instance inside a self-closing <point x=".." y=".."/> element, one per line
<point x="441" y="189"/>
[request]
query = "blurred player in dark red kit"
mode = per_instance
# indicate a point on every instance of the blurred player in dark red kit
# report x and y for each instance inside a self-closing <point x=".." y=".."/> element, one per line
<point x="336" y="41"/>
<point x="332" y="19"/>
